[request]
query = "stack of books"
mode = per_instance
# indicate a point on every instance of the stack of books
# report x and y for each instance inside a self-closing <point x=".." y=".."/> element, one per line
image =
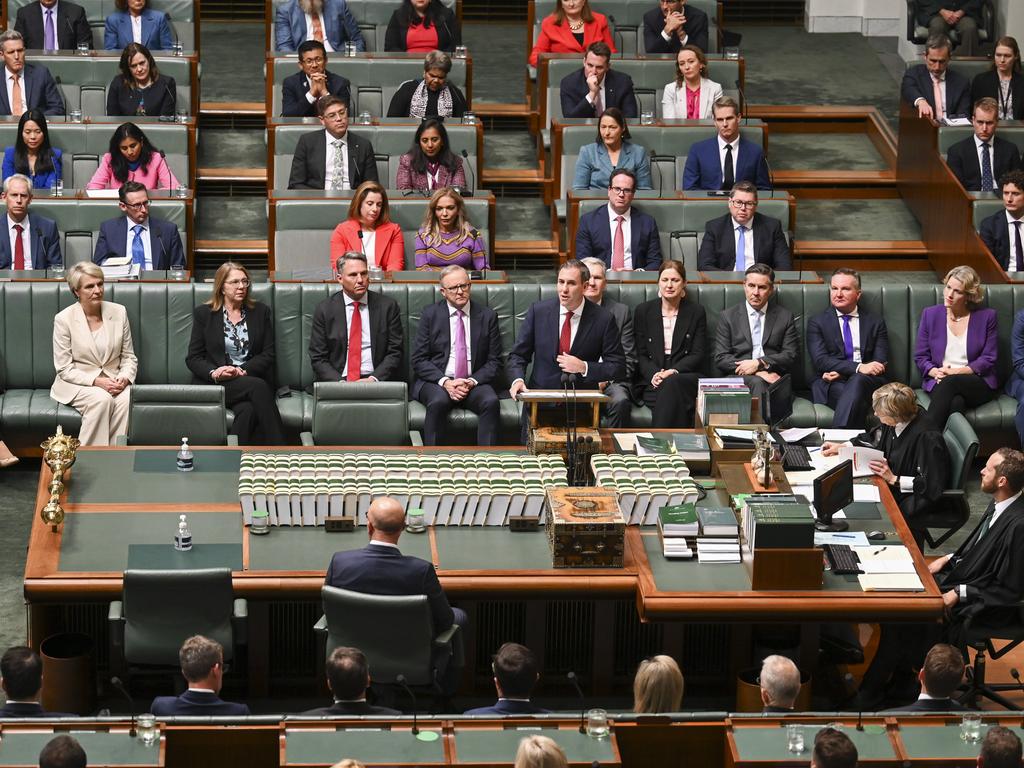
<point x="451" y="489"/>
<point x="645" y="484"/>
<point x="776" y="520"/>
<point x="718" y="540"/>
<point x="723" y="401"/>
<point x="678" y="528"/>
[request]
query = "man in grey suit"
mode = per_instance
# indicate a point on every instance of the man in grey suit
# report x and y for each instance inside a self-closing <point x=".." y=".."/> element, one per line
<point x="757" y="340"/>
<point x="26" y="86"/>
<point x="333" y="158"/>
<point x="346" y="346"/>
<point x="618" y="410"/>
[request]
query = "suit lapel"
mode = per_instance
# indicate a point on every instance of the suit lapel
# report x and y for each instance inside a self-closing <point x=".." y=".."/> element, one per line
<point x="372" y="316"/>
<point x="769" y="323"/>
<point x="475" y="324"/>
<point x="217" y="323"/>
<point x="584" y="327"/>
<point x="657" y="330"/>
<point x="445" y="331"/>
<point x="681" y="327"/>
<point x="729" y="243"/>
<point x="78" y="318"/>
<point x="111" y="332"/>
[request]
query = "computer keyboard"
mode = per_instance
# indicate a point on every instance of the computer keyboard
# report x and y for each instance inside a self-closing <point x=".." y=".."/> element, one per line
<point x="842" y="558"/>
<point x="795" y="458"/>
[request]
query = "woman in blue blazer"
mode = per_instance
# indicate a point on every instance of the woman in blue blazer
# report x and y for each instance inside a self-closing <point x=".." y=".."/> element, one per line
<point x="610" y="150"/>
<point x="32" y="154"/>
<point x="156" y="29"/>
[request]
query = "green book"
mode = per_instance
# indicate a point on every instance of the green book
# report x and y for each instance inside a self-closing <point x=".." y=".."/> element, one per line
<point x="649" y="445"/>
<point x="678" y="520"/>
<point x="770" y="513"/>
<point x="717" y="521"/>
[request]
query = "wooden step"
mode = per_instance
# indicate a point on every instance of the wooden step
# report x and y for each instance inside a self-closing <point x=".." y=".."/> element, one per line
<point x="491" y="176"/>
<point x="229" y="108"/>
<point x="208" y="247"/>
<point x="237" y="175"/>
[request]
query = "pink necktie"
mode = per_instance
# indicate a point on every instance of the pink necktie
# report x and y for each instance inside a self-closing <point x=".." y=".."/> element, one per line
<point x="461" y="363"/>
<point x="618" y="247"/>
<point x="937" y="86"/>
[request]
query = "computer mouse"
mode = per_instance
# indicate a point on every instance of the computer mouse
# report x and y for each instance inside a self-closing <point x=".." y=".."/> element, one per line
<point x="876" y="535"/>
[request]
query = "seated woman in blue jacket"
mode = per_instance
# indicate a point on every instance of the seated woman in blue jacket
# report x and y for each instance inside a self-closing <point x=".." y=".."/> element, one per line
<point x="154" y="28"/>
<point x="611" y="150"/>
<point x="32" y="154"/>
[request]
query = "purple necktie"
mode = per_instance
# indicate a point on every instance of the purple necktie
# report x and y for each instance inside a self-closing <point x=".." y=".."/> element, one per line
<point x="49" y="33"/>
<point x="461" y="364"/>
<point x="847" y="338"/>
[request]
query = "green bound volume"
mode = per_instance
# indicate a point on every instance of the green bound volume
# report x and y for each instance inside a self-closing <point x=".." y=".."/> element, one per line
<point x="678" y="520"/>
<point x="717" y="521"/>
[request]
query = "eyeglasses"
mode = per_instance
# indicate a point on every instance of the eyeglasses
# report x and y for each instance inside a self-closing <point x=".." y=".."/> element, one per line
<point x="456" y="288"/>
<point x="744" y="203"/>
<point x="622" y="191"/>
<point x="314" y="60"/>
<point x="137" y="206"/>
<point x="339" y="115"/>
<point x="243" y="282"/>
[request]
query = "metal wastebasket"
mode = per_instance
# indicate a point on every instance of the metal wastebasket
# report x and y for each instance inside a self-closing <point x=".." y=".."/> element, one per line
<point x="69" y="678"/>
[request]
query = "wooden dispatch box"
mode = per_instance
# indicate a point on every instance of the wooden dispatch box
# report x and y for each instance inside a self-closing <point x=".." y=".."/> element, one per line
<point x="585" y="527"/>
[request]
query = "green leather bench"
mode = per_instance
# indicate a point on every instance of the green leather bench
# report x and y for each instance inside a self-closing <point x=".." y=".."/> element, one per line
<point x="161" y="319"/>
<point x="182" y="13"/>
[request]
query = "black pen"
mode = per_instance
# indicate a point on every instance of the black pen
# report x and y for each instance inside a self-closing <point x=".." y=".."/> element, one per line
<point x="879" y="551"/>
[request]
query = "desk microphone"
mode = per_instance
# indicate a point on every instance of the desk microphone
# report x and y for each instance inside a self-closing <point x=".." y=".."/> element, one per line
<point x="743" y="102"/>
<point x="661" y="176"/>
<point x="771" y="176"/>
<point x="583" y="702"/>
<point x="860" y="718"/>
<point x="1016" y="676"/>
<point x="400" y="679"/>
<point x="362" y="247"/>
<point x="74" y="37"/>
<point x="120" y="686"/>
<point x="472" y="187"/>
<point x="170" y="26"/>
<point x="174" y="97"/>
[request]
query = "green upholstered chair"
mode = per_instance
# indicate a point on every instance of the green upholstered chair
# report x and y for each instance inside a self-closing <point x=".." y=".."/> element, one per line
<point x="952" y="511"/>
<point x="158" y="610"/>
<point x="161" y="414"/>
<point x="360" y="413"/>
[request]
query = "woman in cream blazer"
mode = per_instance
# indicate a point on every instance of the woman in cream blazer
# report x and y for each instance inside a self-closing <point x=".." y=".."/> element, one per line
<point x="691" y="77"/>
<point x="93" y="357"/>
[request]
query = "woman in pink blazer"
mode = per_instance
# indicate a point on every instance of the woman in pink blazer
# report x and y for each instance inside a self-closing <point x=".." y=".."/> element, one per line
<point x="370" y="231"/>
<point x="570" y="29"/>
<point x="132" y="158"/>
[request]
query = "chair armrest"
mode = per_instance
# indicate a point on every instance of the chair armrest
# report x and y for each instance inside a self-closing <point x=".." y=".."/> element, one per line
<point x="233" y="440"/>
<point x="306" y="438"/>
<point x="115" y="624"/>
<point x="321" y="626"/>
<point x="446" y="637"/>
<point x="240" y="621"/>
<point x="121" y="440"/>
<point x="415" y="438"/>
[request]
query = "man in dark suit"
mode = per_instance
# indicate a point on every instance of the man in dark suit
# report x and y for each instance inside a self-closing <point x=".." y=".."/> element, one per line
<point x="850" y="351"/>
<point x="589" y="91"/>
<point x="202" y="666"/>
<point x="348" y="677"/>
<point x="27" y="86"/>
<point x="980" y="160"/>
<point x="301" y="91"/>
<point x="33" y="241"/>
<point x="456" y="366"/>
<point x="639" y="245"/>
<point x="48" y="25"/>
<point x="619" y="408"/>
<point x="942" y="17"/>
<point x="941" y="675"/>
<point x="1001" y="232"/>
<point x="21" y="677"/>
<point x="720" y="162"/>
<point x="672" y="25"/>
<point x="780" y="684"/>
<point x="515" y="675"/>
<point x="761" y="237"/>
<point x="153" y="243"/>
<point x="757" y="340"/>
<point x="920" y="80"/>
<point x="63" y="751"/>
<point x="334" y="158"/>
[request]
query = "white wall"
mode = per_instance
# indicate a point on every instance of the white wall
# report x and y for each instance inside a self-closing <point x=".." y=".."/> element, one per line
<point x="1010" y="18"/>
<point x="868" y="17"/>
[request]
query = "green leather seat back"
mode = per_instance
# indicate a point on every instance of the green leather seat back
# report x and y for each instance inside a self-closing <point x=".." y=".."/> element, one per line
<point x="368" y="413"/>
<point x="969" y="68"/>
<point x="962" y="444"/>
<point x="84" y="80"/>
<point x="951" y="134"/>
<point x="985" y="208"/>
<point x="160" y="414"/>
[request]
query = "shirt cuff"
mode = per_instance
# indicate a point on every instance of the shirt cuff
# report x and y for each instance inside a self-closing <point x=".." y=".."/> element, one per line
<point x="906" y="484"/>
<point x="442" y="380"/>
<point x="666" y="36"/>
<point x="962" y="591"/>
<point x="586" y="369"/>
<point x="683" y="40"/>
<point x="309" y="97"/>
<point x="475" y="382"/>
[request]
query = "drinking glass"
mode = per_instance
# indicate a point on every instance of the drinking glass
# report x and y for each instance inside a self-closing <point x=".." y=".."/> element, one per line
<point x="597" y="723"/>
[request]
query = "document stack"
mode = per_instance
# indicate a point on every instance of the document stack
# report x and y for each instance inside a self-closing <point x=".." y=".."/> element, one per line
<point x="451" y="489"/>
<point x="776" y="520"/>
<point x="645" y="484"/>
<point x="678" y="528"/>
<point x="723" y="401"/>
<point x="718" y="541"/>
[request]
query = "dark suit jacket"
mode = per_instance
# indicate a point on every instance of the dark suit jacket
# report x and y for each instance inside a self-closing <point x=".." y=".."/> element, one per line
<point x="71" y="25"/>
<point x="29" y="710"/>
<point x="779" y="338"/>
<point x="931" y="705"/>
<point x="689" y="339"/>
<point x="164" y="241"/>
<point x="825" y="345"/>
<point x="206" y="346"/>
<point x="703" y="169"/>
<point x="594" y="238"/>
<point x="926" y="9"/>
<point x="383" y="570"/>
<point x="328" y="341"/>
<point x="161" y="98"/>
<point x="995" y="232"/>
<point x="196" y="703"/>
<point x="987" y="84"/>
<point x="309" y="163"/>
<point x="352" y="708"/>
<point x="433" y="344"/>
<point x="449" y="34"/>
<point x="39" y="91"/>
<point x="507" y="707"/>
<point x="597" y="342"/>
<point x="963" y="161"/>
<point x="696" y="27"/>
<point x="618" y="92"/>
<point x="295" y="87"/>
<point x="718" y="248"/>
<point x="624" y="320"/>
<point x="917" y="83"/>
<point x="44" y="245"/>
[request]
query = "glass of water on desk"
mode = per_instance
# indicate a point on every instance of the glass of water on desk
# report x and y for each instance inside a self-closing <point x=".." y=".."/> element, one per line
<point x="795" y="739"/>
<point x="970" y="728"/>
<point x="597" y="723"/>
<point x="146" y="728"/>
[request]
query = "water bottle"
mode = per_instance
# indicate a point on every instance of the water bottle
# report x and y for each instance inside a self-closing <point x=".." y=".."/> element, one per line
<point x="181" y="191"/>
<point x="186" y="459"/>
<point x="183" y="538"/>
<point x="58" y="188"/>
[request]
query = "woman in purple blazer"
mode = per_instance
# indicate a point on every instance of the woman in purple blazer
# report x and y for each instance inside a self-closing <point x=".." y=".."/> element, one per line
<point x="956" y="347"/>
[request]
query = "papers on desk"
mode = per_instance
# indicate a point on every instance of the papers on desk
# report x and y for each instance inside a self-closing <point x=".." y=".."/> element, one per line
<point x="860" y="457"/>
<point x="626" y="441"/>
<point x="849" y="538"/>
<point x="866" y="492"/>
<point x="746" y="435"/>
<point x="887" y="568"/>
<point x="962" y="121"/>
<point x="890" y="582"/>
<point x="107" y="194"/>
<point x="796" y="434"/>
<point x="839" y="435"/>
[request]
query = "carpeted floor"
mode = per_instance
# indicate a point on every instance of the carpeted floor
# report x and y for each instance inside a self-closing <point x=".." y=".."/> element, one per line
<point x="855" y="220"/>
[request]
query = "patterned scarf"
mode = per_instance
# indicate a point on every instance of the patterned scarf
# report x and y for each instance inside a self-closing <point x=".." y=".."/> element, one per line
<point x="418" y="107"/>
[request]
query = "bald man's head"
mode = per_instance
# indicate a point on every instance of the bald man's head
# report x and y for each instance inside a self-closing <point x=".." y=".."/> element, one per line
<point x="385" y="519"/>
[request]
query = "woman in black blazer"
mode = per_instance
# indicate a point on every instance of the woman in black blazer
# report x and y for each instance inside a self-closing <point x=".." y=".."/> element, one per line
<point x="1004" y="82"/>
<point x="421" y="26"/>
<point x="232" y="345"/>
<point x="140" y="89"/>
<point x="668" y="379"/>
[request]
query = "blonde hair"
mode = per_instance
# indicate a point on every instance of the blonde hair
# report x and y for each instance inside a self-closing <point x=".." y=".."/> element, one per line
<point x="540" y="752"/>
<point x="974" y="291"/>
<point x="81" y="270"/>
<point x="658" y="685"/>
<point x="216" y="301"/>
<point x="430" y="231"/>
<point x="895" y="400"/>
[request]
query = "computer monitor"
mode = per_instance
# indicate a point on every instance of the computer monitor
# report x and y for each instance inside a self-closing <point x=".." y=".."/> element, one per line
<point x="833" y="491"/>
<point x="779" y="402"/>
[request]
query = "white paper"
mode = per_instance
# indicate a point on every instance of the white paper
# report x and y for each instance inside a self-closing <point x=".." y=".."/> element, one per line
<point x="849" y="538"/>
<point x="860" y="457"/>
<point x="884" y="552"/>
<point x="108" y="194"/>
<point x="795" y="434"/>
<point x="887" y="566"/>
<point x="627" y="440"/>
<point x="736" y="434"/>
<point x="839" y="435"/>
<point x="890" y="582"/>
<point x="807" y="491"/>
<point x="866" y="492"/>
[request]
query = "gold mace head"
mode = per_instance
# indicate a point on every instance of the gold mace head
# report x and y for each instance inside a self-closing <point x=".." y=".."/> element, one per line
<point x="53" y="513"/>
<point x="59" y="450"/>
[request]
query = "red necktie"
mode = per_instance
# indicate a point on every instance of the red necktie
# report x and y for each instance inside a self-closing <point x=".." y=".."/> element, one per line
<point x="19" y="248"/>
<point x="355" y="345"/>
<point x="618" y="247"/>
<point x="565" y="338"/>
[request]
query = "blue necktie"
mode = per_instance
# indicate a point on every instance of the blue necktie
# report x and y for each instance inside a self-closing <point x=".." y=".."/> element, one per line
<point x="986" y="169"/>
<point x="847" y="338"/>
<point x="138" y="249"/>
<point x="741" y="250"/>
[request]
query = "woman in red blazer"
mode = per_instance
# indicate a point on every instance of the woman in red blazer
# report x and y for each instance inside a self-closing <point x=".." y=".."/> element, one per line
<point x="570" y="29"/>
<point x="370" y="231"/>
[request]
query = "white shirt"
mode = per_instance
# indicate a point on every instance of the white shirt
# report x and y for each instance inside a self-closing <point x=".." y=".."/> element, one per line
<point x="323" y="26"/>
<point x="905" y="482"/>
<point x="956" y="349"/>
<point x="756" y="340"/>
<point x="449" y="371"/>
<point x="854" y="332"/>
<point x="329" y="169"/>
<point x="130" y="238"/>
<point x="366" y="358"/>
<point x="748" y="238"/>
<point x="668" y="38"/>
<point x="136" y="28"/>
<point x="735" y="144"/>
<point x="376" y="543"/>
<point x="1011" y="265"/>
<point x="10" y="88"/>
<point x="26" y="240"/>
<point x="627" y="237"/>
<point x="370" y="247"/>
<point x="991" y="158"/>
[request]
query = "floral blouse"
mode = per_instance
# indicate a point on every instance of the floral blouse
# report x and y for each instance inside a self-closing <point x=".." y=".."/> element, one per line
<point x="236" y="340"/>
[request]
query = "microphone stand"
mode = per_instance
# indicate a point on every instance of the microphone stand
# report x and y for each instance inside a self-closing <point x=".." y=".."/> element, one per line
<point x="120" y="686"/>
<point x="570" y="443"/>
<point x="400" y="679"/>
<point x="583" y="702"/>
<point x="472" y="188"/>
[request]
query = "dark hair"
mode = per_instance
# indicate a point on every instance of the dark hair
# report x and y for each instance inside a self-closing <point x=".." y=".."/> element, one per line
<point x="118" y="165"/>
<point x="833" y="749"/>
<point x="515" y="669"/>
<point x="938" y="42"/>
<point x="1012" y="468"/>
<point x="1012" y="177"/>
<point x="576" y="264"/>
<point x="849" y="272"/>
<point x="1000" y="749"/>
<point x="128" y="187"/>
<point x="122" y="5"/>
<point x="761" y="269"/>
<point x="445" y="157"/>
<point x="63" y="752"/>
<point x="678" y="266"/>
<point x="599" y="48"/>
<point x="126" y="71"/>
<point x="347" y="673"/>
<point x="943" y="670"/>
<point x="326" y="102"/>
<point x="407" y="16"/>
<point x="44" y="157"/>
<point x="198" y="656"/>
<point x="1011" y="43"/>
<point x="22" y="672"/>
<point x="615" y="114"/>
<point x="361" y="193"/>
<point x="311" y="45"/>
<point x="586" y="14"/>
<point x="744" y="186"/>
<point x="622" y="172"/>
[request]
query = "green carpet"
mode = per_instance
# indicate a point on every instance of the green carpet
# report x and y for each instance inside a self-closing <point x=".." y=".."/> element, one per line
<point x="499" y="61"/>
<point x="231" y="218"/>
<point x="823" y="151"/>
<point x="855" y="220"/>
<point x="234" y="71"/>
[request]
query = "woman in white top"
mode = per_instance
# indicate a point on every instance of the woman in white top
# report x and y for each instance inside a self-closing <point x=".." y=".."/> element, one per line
<point x="691" y="95"/>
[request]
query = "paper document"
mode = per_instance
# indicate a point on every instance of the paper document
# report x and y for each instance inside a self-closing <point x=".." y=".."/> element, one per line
<point x="101" y="193"/>
<point x="735" y="434"/>
<point x="839" y="435"/>
<point x="870" y="565"/>
<point x="890" y="582"/>
<point x="796" y="434"/>
<point x="860" y="458"/>
<point x="626" y="441"/>
<point x="866" y="492"/>
<point x="884" y="552"/>
<point x="849" y="538"/>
